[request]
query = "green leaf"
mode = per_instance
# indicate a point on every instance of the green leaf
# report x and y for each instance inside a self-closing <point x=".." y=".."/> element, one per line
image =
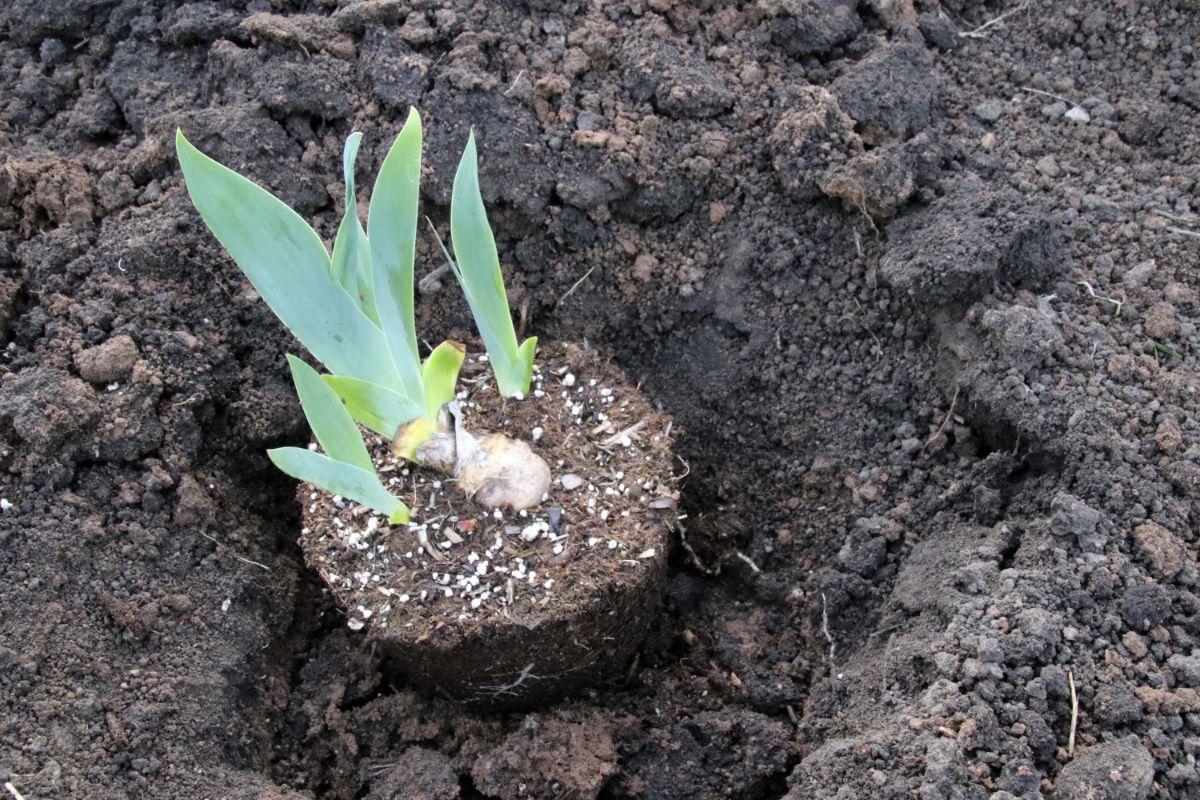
<point x="379" y="408"/>
<point x="392" y="233"/>
<point x="522" y="368"/>
<point x="337" y="477"/>
<point x="351" y="265"/>
<point x="330" y="421"/>
<point x="478" y="272"/>
<point x="285" y="260"/>
<point x="441" y="375"/>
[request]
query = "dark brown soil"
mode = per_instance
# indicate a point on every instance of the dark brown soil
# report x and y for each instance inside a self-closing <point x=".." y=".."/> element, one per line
<point x="918" y="282"/>
<point x="518" y="609"/>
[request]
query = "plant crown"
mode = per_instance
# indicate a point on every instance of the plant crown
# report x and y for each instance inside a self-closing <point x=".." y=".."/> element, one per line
<point x="354" y="310"/>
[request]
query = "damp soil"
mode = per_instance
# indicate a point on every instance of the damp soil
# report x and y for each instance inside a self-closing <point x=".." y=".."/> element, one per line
<point x="917" y="282"/>
<point x="503" y="608"/>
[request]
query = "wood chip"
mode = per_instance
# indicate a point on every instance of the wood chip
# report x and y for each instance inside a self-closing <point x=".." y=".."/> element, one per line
<point x="619" y="435"/>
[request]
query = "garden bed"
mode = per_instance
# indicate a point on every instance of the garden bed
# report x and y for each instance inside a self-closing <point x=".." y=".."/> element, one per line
<point x="930" y="353"/>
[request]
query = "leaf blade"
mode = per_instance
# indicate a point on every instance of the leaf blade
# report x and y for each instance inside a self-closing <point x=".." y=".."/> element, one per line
<point x="338" y="477"/>
<point x="351" y="265"/>
<point x="331" y="423"/>
<point x="440" y="373"/>
<point x="392" y="237"/>
<point x="377" y="407"/>
<point x="287" y="264"/>
<point x="478" y="272"/>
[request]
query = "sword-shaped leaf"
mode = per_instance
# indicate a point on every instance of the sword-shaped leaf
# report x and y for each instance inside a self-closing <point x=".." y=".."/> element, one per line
<point x="351" y="252"/>
<point x="332" y="424"/>
<point x="440" y="372"/>
<point x="478" y="272"/>
<point x="287" y="263"/>
<point x="338" y="477"/>
<point x="392" y="233"/>
<point x="379" y="408"/>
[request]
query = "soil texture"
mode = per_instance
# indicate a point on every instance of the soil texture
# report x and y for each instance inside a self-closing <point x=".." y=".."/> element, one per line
<point x="916" y="280"/>
<point x="503" y="608"/>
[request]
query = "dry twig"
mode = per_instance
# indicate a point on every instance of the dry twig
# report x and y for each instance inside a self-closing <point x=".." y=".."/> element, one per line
<point x="983" y="30"/>
<point x="576" y="285"/>
<point x="235" y="555"/>
<point x="1051" y="95"/>
<point x="619" y="435"/>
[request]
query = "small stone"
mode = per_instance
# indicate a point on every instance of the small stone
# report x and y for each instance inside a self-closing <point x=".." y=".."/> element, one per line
<point x="938" y="30"/>
<point x="987" y="141"/>
<point x="1100" y="108"/>
<point x="1054" y="110"/>
<point x="1105" y="210"/>
<point x="571" y="481"/>
<point x="1078" y="114"/>
<point x="1048" y="167"/>
<point x="989" y="110"/>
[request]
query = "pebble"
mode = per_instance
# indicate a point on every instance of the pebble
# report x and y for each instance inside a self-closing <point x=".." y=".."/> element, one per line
<point x="989" y="110"/>
<point x="1048" y="167"/>
<point x="571" y="481"/>
<point x="1054" y="110"/>
<point x="1078" y="114"/>
<point x="1099" y="108"/>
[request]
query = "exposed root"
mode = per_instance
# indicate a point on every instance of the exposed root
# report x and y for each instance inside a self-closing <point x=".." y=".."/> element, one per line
<point x="509" y="689"/>
<point x="1074" y="714"/>
<point x="825" y="631"/>
<point x="942" y="428"/>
